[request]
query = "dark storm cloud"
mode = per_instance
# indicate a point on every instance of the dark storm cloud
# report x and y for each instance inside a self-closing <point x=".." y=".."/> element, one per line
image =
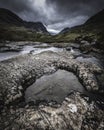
<point x="16" y="5"/>
<point x="56" y="14"/>
<point x="75" y="12"/>
<point x="22" y="7"/>
<point x="80" y="6"/>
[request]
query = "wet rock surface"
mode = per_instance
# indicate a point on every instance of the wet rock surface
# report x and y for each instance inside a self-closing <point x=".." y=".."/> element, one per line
<point x="76" y="112"/>
<point x="12" y="48"/>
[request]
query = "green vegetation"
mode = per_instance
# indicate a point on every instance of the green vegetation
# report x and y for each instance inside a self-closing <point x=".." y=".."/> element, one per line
<point x="14" y="33"/>
<point x="93" y="31"/>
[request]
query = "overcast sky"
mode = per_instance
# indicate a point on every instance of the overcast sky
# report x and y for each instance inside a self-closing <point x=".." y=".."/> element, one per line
<point x="55" y="14"/>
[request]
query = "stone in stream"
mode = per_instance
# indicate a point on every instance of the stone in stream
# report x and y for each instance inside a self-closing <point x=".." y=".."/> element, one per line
<point x="10" y="48"/>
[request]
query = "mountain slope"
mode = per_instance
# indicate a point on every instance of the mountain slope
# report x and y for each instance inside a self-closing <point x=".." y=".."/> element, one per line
<point x="10" y="19"/>
<point x="37" y="26"/>
<point x="65" y="30"/>
<point x="93" y="27"/>
<point x="96" y="19"/>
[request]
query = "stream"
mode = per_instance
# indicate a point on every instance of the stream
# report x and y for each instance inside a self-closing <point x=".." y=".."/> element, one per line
<point x="10" y="52"/>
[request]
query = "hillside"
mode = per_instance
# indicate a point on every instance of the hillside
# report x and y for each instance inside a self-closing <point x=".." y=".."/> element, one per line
<point x="12" y="27"/>
<point x="8" y="17"/>
<point x="97" y="18"/>
<point x="65" y="30"/>
<point x="93" y="27"/>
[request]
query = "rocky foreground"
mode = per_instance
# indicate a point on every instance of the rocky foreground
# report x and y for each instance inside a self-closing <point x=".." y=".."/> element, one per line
<point x="76" y="112"/>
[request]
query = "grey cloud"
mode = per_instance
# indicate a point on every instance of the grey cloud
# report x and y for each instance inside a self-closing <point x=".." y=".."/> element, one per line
<point x="77" y="6"/>
<point x="56" y="14"/>
<point x="16" y="5"/>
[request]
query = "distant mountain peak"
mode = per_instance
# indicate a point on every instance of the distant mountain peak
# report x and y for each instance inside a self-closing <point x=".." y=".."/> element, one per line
<point x="65" y="30"/>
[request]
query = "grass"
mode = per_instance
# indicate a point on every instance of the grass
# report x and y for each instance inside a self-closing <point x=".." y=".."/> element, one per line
<point x="13" y="33"/>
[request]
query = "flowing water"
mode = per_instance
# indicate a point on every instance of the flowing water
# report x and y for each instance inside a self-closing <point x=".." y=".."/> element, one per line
<point x="34" y="49"/>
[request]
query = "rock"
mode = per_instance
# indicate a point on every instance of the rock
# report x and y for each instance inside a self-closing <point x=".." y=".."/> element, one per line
<point x="12" y="48"/>
<point x="24" y="70"/>
<point x="68" y="48"/>
<point x="85" y="42"/>
<point x="74" y="113"/>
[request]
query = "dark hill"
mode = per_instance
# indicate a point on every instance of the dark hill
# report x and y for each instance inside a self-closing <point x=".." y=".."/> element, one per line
<point x="93" y="27"/>
<point x="9" y="18"/>
<point x="65" y="30"/>
<point x="37" y="26"/>
<point x="97" y="18"/>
